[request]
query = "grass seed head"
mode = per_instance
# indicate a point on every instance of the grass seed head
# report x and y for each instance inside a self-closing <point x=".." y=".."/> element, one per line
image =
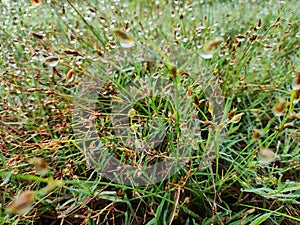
<point x="21" y="203"/>
<point x="69" y="76"/>
<point x="297" y="96"/>
<point x="293" y="116"/>
<point x="237" y="118"/>
<point x="256" y="134"/>
<point x="211" y="108"/>
<point x="258" y="26"/>
<point x="210" y="47"/>
<point x="125" y="40"/>
<point x="38" y="35"/>
<point x="40" y="165"/>
<point x="231" y="113"/>
<point x="266" y="156"/>
<point x="279" y="108"/>
<point x="36" y="2"/>
<point x="52" y="61"/>
<point x="132" y="113"/>
<point x="296" y="82"/>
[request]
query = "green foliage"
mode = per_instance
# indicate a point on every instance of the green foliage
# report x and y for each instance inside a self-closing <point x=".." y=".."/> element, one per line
<point x="236" y="64"/>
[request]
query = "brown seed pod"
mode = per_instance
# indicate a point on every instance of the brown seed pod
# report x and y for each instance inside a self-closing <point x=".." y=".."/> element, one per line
<point x="36" y="2"/>
<point x="72" y="52"/>
<point x="38" y="35"/>
<point x="256" y="134"/>
<point x="69" y="76"/>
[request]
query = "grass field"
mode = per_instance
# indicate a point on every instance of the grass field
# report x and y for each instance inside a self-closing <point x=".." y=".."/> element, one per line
<point x="150" y="112"/>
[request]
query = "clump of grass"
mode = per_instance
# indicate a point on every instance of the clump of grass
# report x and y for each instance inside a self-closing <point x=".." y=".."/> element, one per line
<point x="243" y="90"/>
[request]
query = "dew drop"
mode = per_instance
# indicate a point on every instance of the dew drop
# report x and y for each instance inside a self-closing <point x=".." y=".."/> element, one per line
<point x="185" y="39"/>
<point x="178" y="36"/>
<point x="110" y="37"/>
<point x="127" y="43"/>
<point x="201" y="27"/>
<point x="206" y="55"/>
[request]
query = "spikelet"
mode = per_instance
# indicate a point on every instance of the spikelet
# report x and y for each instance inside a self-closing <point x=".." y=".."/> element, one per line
<point x="36" y="2"/>
<point x="52" y="61"/>
<point x="237" y="118"/>
<point x="22" y="203"/>
<point x="125" y="40"/>
<point x="296" y="82"/>
<point x="256" y="134"/>
<point x="40" y="165"/>
<point x="266" y="156"/>
<point x="279" y="108"/>
<point x="210" y="47"/>
<point x="296" y="96"/>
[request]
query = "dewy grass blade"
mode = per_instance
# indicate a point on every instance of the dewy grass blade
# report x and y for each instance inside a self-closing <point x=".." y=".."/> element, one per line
<point x="90" y="26"/>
